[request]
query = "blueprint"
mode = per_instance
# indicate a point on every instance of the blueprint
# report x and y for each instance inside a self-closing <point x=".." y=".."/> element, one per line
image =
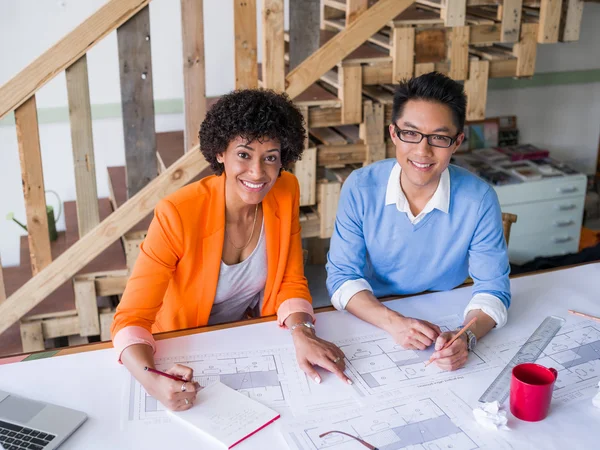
<point x="375" y="363"/>
<point x="432" y="421"/>
<point x="574" y="353"/>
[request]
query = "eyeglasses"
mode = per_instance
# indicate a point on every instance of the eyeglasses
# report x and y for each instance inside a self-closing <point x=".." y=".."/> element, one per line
<point x="435" y="140"/>
<point x="366" y="444"/>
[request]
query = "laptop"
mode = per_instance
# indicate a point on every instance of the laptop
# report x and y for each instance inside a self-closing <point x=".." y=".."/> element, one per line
<point x="32" y="425"/>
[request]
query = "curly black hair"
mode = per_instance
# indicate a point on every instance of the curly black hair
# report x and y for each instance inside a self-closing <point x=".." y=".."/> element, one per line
<point x="252" y="114"/>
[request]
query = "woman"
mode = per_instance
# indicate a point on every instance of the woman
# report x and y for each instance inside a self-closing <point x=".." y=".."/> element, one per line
<point x="225" y="245"/>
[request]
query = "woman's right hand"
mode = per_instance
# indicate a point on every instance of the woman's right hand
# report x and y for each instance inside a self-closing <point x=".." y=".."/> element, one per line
<point x="171" y="393"/>
<point x="412" y="334"/>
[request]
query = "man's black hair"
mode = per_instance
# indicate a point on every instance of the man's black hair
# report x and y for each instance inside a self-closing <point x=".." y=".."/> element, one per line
<point x="432" y="87"/>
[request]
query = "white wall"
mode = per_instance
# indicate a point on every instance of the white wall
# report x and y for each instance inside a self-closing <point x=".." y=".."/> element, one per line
<point x="565" y="118"/>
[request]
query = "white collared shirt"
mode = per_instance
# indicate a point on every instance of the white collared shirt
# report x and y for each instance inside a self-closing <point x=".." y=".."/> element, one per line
<point x="489" y="304"/>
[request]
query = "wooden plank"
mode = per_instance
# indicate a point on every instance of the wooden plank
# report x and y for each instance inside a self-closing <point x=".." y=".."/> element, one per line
<point x="32" y="336"/>
<point x="354" y="8"/>
<point x="106" y="320"/>
<point x="350" y="79"/>
<point x="325" y="117"/>
<point x="363" y="54"/>
<point x="343" y="44"/>
<point x="304" y="31"/>
<point x="570" y="24"/>
<point x="476" y="89"/>
<point x="315" y="95"/>
<point x="306" y="172"/>
<point x="328" y="202"/>
<point x="60" y="327"/>
<point x="453" y="12"/>
<point x="549" y="21"/>
<point x="403" y="53"/>
<point x="244" y="25"/>
<point x="380" y="73"/>
<point x="32" y="176"/>
<point x="458" y="53"/>
<point x="484" y="34"/>
<point x="511" y="20"/>
<point x="423" y="68"/>
<point x="110" y="285"/>
<point x="75" y="340"/>
<point x="194" y="77"/>
<point x="417" y="15"/>
<point x="328" y="136"/>
<point x="80" y="113"/>
<point x="526" y="49"/>
<point x="87" y="307"/>
<point x="336" y="155"/>
<point x="100" y="238"/>
<point x="137" y="101"/>
<point x="65" y="52"/>
<point x="273" y="66"/>
<point x="430" y="45"/>
<point x="371" y="131"/>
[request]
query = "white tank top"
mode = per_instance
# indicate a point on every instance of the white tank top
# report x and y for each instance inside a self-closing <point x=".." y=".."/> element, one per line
<point x="241" y="286"/>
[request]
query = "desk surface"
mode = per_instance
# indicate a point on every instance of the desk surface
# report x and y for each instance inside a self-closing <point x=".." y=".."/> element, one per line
<point x="95" y="383"/>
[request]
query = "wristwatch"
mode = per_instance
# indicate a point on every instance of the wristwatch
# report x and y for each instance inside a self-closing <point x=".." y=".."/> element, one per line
<point x="471" y="339"/>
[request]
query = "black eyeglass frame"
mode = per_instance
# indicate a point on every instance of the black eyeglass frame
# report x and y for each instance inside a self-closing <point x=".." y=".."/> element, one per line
<point x="423" y="135"/>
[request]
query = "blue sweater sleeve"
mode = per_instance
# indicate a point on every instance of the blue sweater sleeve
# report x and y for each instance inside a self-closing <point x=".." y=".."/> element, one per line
<point x="347" y="250"/>
<point x="488" y="257"/>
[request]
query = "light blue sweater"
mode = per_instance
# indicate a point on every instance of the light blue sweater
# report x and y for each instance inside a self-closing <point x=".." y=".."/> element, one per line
<point x="380" y="244"/>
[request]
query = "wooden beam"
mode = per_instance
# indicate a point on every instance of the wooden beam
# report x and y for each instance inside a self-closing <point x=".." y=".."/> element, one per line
<point x="273" y="65"/>
<point x="423" y="68"/>
<point x="526" y="49"/>
<point x="137" y="101"/>
<point x="32" y="337"/>
<point x="339" y="155"/>
<point x="80" y="114"/>
<point x="306" y="172"/>
<point x="458" y="53"/>
<point x="66" y="51"/>
<point x="87" y="307"/>
<point x="402" y="53"/>
<point x="32" y="176"/>
<point x="354" y="8"/>
<point x="244" y="25"/>
<point x="350" y="92"/>
<point x="476" y="89"/>
<point x="484" y="34"/>
<point x="106" y="320"/>
<point x="342" y="44"/>
<point x="372" y="131"/>
<point x="97" y="240"/>
<point x="194" y="77"/>
<point x="549" y="21"/>
<point x="570" y="24"/>
<point x="304" y="30"/>
<point x="453" y="12"/>
<point x="511" y="20"/>
<point x="328" y="203"/>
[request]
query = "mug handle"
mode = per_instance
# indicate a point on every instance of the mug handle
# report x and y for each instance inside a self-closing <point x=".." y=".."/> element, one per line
<point x="554" y="372"/>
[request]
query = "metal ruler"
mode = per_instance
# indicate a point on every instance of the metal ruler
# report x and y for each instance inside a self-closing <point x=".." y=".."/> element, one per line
<point x="529" y="352"/>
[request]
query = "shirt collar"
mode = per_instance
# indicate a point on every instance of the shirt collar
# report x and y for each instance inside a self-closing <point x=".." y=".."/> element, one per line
<point x="440" y="199"/>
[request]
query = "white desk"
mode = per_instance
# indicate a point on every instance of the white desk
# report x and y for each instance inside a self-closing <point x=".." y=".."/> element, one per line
<point x="88" y="381"/>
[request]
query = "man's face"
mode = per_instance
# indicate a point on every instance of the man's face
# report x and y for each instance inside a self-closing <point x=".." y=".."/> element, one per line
<point x="422" y="164"/>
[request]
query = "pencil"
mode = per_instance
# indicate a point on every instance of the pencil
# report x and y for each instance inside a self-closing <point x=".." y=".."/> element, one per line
<point x="168" y="375"/>
<point x="456" y="336"/>
<point x="587" y="316"/>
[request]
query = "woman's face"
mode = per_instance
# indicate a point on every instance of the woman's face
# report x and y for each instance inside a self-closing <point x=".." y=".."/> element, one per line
<point x="251" y="168"/>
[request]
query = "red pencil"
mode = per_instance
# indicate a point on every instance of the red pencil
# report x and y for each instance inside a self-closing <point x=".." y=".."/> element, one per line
<point x="168" y="375"/>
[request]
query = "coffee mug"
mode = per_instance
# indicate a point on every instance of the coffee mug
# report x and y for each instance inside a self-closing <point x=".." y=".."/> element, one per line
<point x="531" y="389"/>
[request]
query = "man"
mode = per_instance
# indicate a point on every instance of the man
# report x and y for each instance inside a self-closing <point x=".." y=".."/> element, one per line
<point x="414" y="224"/>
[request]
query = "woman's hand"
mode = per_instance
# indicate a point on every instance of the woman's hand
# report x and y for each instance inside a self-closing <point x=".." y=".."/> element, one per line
<point x="311" y="351"/>
<point x="174" y="395"/>
<point x="412" y="334"/>
<point x="453" y="357"/>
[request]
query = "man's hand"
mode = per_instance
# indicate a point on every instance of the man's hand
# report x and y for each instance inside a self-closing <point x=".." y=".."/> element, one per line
<point x="413" y="334"/>
<point x="453" y="357"/>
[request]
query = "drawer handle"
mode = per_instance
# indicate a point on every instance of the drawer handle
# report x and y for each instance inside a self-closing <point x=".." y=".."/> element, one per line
<point x="566" y="207"/>
<point x="567" y="190"/>
<point x="564" y="223"/>
<point x="562" y="240"/>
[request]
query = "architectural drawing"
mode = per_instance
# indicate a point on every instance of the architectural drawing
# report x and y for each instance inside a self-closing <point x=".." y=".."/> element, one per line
<point x="270" y="376"/>
<point x="376" y="363"/>
<point x="434" y="421"/>
<point x="575" y="353"/>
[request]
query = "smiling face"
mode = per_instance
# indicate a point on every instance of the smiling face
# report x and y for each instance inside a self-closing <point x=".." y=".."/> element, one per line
<point x="251" y="168"/>
<point x="423" y="164"/>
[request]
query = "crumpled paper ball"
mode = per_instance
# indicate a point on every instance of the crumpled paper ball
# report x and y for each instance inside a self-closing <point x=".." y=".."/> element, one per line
<point x="490" y="416"/>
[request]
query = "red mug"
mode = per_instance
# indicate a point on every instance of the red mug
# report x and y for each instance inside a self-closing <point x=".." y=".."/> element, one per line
<point x="531" y="389"/>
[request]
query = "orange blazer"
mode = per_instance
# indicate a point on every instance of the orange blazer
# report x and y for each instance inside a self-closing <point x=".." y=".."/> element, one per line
<point x="174" y="280"/>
